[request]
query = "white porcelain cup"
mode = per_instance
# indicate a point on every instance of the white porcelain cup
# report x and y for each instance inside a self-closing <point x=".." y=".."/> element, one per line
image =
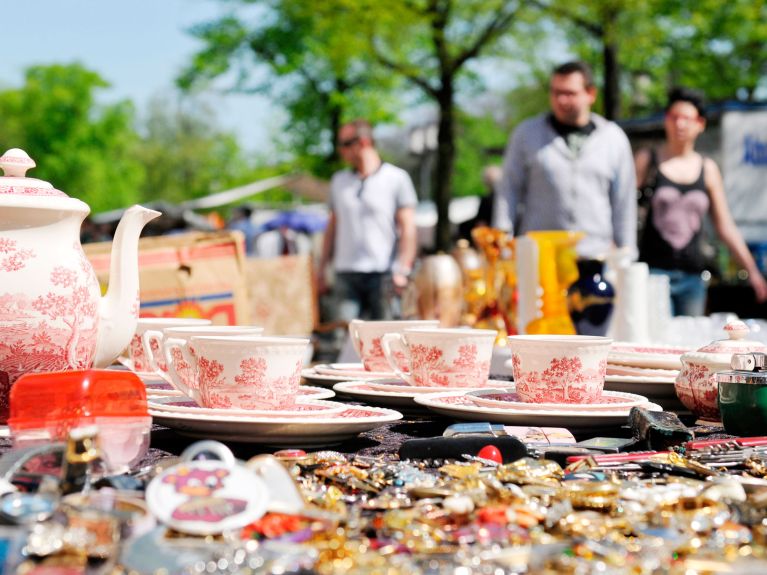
<point x="559" y="368"/>
<point x="239" y="371"/>
<point x="441" y="357"/>
<point x="154" y="346"/>
<point x="366" y="338"/>
<point x="137" y="354"/>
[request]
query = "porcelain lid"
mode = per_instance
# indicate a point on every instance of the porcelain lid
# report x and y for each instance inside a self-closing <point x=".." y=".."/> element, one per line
<point x="721" y="349"/>
<point x="15" y="163"/>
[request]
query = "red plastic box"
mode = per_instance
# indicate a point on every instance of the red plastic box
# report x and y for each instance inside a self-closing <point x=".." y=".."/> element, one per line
<point x="46" y="406"/>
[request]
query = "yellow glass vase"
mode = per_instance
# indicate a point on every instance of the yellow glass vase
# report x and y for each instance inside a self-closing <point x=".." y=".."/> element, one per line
<point x="557" y="269"/>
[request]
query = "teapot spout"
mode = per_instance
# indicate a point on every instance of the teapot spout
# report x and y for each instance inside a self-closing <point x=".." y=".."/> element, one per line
<point x="118" y="309"/>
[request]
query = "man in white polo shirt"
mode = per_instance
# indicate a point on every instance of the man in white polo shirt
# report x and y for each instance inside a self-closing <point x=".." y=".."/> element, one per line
<point x="371" y="234"/>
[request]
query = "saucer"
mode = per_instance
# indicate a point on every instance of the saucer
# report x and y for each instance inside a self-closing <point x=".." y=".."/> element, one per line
<point x="311" y="376"/>
<point x="396" y="385"/>
<point x="301" y="409"/>
<point x="458" y="405"/>
<point x="350" y="371"/>
<point x="507" y="398"/>
<point x="157" y="386"/>
<point x="653" y="356"/>
<point x="305" y="392"/>
<point x="651" y="387"/>
<point x="618" y="369"/>
<point x="128" y="363"/>
<point x="370" y="394"/>
<point x="278" y="431"/>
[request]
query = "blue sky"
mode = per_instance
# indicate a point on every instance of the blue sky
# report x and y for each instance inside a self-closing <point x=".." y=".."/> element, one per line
<point x="138" y="46"/>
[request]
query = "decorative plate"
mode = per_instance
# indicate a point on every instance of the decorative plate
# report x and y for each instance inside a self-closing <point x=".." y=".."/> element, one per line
<point x="301" y="409"/>
<point x="279" y="431"/>
<point x="653" y="356"/>
<point x="508" y="399"/>
<point x="458" y="405"/>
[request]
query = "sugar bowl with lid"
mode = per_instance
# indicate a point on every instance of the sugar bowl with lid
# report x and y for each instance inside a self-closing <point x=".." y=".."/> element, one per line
<point x="696" y="384"/>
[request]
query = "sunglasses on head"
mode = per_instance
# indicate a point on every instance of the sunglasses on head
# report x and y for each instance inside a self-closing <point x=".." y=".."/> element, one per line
<point x="348" y="142"/>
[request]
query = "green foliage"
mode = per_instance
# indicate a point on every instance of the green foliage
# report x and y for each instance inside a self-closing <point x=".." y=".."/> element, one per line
<point x="185" y="155"/>
<point x="316" y="67"/>
<point x="85" y="149"/>
<point x="480" y="142"/>
<point x="95" y="152"/>
<point x="718" y="47"/>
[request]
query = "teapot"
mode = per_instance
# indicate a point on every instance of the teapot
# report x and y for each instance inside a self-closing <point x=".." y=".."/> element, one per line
<point x="52" y="314"/>
<point x="696" y="385"/>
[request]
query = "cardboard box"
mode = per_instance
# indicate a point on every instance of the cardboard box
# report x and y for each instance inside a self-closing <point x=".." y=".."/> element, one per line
<point x="282" y="294"/>
<point x="187" y="275"/>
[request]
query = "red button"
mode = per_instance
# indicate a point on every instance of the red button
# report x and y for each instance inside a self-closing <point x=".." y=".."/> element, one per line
<point x="491" y="452"/>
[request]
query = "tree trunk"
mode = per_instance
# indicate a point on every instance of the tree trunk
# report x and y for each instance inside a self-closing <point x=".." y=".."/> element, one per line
<point x="445" y="159"/>
<point x="612" y="95"/>
<point x="612" y="92"/>
<point x="335" y="117"/>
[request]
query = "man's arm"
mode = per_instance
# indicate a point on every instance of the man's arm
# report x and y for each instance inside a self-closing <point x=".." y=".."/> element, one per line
<point x="326" y="256"/>
<point x="510" y="191"/>
<point x="405" y="218"/>
<point x="623" y="197"/>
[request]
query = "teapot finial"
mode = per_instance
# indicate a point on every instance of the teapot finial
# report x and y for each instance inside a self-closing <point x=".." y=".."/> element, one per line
<point x="737" y="330"/>
<point x="15" y="163"/>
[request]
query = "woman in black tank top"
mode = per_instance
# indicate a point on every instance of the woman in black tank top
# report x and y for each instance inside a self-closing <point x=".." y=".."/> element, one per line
<point x="683" y="187"/>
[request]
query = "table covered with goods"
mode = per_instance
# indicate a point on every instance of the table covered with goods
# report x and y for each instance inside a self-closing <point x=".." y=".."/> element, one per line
<point x="483" y="448"/>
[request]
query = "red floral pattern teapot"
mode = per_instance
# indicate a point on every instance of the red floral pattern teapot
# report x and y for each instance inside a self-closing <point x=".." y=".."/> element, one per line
<point x="52" y="314"/>
<point x="696" y="384"/>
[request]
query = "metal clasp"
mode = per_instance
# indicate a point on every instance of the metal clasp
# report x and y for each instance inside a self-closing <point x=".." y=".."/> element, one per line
<point x="749" y="361"/>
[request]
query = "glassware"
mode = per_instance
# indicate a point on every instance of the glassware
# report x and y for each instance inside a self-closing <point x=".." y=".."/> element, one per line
<point x="557" y="270"/>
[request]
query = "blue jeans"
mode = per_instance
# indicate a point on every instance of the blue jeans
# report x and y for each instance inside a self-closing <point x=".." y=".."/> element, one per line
<point x="363" y="295"/>
<point x="688" y="291"/>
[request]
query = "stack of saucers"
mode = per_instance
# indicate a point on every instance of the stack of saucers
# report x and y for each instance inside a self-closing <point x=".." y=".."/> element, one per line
<point x="648" y="369"/>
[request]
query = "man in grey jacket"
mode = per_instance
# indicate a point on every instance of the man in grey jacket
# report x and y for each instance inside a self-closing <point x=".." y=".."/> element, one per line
<point x="570" y="169"/>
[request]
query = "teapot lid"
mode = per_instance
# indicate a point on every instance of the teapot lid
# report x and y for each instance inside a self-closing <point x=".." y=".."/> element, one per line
<point x="15" y="163"/>
<point x="736" y="341"/>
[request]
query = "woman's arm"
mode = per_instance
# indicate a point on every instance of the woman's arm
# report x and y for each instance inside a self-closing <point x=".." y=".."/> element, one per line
<point x="728" y="231"/>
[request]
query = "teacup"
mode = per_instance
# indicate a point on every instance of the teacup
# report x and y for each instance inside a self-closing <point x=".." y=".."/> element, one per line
<point x="366" y="338"/>
<point x="154" y="346"/>
<point x="441" y="357"/>
<point x="240" y="372"/>
<point x="135" y="351"/>
<point x="559" y="368"/>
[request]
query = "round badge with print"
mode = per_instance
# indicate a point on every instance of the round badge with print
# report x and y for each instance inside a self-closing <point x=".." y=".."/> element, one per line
<point x="207" y="497"/>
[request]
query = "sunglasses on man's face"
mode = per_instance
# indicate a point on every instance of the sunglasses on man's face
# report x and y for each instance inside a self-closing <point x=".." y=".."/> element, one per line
<point x="348" y="142"/>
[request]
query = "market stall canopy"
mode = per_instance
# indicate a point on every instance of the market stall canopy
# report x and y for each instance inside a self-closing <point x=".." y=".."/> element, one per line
<point x="301" y="185"/>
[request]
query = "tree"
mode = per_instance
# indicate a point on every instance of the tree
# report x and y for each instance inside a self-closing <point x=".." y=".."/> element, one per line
<point x="718" y="47"/>
<point x="81" y="147"/>
<point x="714" y="46"/>
<point x="316" y="68"/>
<point x="431" y="43"/>
<point x="598" y="29"/>
<point x="185" y="154"/>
